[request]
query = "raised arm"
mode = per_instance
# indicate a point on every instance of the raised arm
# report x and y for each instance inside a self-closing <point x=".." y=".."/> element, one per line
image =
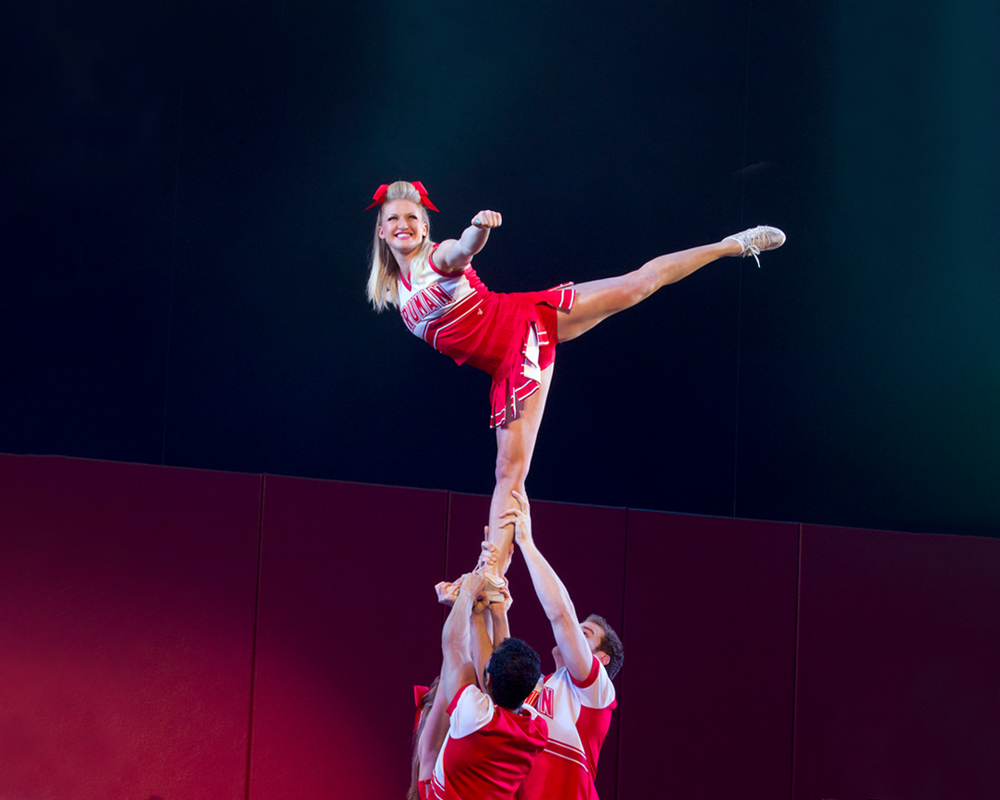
<point x="432" y="734"/>
<point x="482" y="640"/>
<point x="453" y="255"/>
<point x="552" y="594"/>
<point x="498" y="610"/>
<point x="457" y="668"/>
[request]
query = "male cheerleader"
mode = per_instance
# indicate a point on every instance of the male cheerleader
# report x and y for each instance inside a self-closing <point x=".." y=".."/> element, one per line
<point x="492" y="738"/>
<point x="578" y="698"/>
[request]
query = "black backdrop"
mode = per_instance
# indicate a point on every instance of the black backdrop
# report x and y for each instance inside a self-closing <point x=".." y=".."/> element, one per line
<point x="183" y="246"/>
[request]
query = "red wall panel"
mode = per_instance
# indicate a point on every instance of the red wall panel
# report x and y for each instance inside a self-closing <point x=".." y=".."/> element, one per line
<point x="586" y="547"/>
<point x="707" y="682"/>
<point x="898" y="693"/>
<point x="126" y="627"/>
<point x="131" y="666"/>
<point x="347" y="624"/>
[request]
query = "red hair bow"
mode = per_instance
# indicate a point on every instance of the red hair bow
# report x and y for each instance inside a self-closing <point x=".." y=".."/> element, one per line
<point x="379" y="196"/>
<point x="418" y="697"/>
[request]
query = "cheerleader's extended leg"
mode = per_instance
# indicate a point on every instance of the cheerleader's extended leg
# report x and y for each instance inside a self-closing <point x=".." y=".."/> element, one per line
<point x="515" y="446"/>
<point x="598" y="300"/>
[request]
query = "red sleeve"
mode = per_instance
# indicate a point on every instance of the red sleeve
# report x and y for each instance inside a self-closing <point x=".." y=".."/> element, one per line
<point x="589" y="680"/>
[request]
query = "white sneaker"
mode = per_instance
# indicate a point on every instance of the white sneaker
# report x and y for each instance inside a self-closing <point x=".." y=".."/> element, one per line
<point x="492" y="591"/>
<point x="755" y="241"/>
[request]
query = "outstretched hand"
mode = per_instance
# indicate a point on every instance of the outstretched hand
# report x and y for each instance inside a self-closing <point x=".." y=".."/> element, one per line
<point x="475" y="583"/>
<point x="480" y="604"/>
<point x="490" y="554"/>
<point x="487" y="219"/>
<point x="519" y="518"/>
<point x="447" y="593"/>
<point x="507" y="600"/>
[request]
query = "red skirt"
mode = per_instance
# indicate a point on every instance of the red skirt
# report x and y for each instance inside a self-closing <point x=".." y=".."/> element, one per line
<point x="512" y="337"/>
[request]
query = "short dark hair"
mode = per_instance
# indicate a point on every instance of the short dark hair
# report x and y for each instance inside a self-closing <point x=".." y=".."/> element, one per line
<point x="610" y="644"/>
<point x="514" y="669"/>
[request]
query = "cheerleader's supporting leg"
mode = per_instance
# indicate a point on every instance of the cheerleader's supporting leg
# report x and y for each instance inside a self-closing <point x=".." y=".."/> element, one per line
<point x="515" y="446"/>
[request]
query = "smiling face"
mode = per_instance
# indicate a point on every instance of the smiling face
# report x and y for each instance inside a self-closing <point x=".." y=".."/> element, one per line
<point x="403" y="226"/>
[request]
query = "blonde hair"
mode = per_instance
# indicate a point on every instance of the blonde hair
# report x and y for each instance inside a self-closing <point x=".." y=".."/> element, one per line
<point x="383" y="273"/>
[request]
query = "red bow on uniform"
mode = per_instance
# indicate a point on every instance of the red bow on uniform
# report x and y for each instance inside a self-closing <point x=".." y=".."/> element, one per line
<point x="379" y="196"/>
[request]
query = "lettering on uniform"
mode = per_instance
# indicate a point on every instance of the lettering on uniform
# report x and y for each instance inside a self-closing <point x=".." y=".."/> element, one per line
<point x="423" y="303"/>
<point x="546" y="700"/>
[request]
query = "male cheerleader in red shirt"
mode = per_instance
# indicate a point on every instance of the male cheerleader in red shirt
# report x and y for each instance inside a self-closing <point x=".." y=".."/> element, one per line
<point x="578" y="698"/>
<point x="492" y="738"/>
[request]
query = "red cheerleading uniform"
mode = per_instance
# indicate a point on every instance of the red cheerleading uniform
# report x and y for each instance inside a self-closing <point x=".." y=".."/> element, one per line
<point x="488" y="749"/>
<point x="510" y="336"/>
<point x="578" y="714"/>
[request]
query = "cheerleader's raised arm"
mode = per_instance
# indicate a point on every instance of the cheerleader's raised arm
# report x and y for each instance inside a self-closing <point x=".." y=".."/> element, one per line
<point x="453" y="255"/>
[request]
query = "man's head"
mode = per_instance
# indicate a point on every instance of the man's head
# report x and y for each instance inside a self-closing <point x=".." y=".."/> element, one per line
<point x="603" y="641"/>
<point x="512" y="672"/>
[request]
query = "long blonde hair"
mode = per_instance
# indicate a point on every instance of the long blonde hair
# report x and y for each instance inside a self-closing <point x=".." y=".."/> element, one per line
<point x="383" y="273"/>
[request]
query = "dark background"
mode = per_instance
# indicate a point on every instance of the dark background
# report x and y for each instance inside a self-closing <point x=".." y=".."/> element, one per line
<point x="183" y="248"/>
